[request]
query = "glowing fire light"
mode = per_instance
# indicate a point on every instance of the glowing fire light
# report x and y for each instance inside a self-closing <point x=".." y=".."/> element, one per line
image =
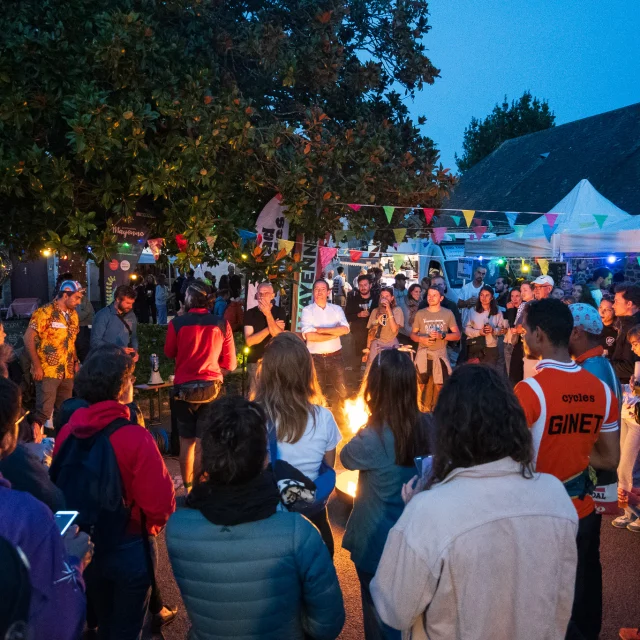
<point x="356" y="412"/>
<point x="351" y="489"/>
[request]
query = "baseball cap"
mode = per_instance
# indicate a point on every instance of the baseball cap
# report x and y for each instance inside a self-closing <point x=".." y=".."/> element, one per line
<point x="586" y="317"/>
<point x="401" y="276"/>
<point x="544" y="281"/>
<point x="71" y="286"/>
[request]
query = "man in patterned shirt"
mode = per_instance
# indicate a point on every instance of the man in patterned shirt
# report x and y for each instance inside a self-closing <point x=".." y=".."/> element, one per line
<point x="50" y="342"/>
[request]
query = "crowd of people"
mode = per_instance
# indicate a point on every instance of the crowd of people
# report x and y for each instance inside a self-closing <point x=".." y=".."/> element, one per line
<point x="491" y="419"/>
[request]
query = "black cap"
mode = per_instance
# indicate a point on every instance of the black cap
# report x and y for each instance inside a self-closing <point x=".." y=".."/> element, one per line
<point x="401" y="276"/>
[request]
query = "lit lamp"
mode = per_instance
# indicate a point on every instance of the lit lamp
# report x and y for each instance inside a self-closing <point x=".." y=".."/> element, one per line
<point x="245" y="353"/>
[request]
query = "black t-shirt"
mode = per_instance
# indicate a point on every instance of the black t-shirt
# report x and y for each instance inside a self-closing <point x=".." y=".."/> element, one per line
<point x="355" y="304"/>
<point x="608" y="339"/>
<point x="255" y="318"/>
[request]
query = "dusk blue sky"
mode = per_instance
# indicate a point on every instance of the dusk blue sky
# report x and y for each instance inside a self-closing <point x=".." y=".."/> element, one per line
<point x="583" y="56"/>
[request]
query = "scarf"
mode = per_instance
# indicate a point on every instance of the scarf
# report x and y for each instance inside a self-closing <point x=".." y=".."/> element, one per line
<point x="229" y="505"/>
<point x="412" y="307"/>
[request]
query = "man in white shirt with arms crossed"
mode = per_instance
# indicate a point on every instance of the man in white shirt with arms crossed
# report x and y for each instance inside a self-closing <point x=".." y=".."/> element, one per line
<point x="322" y="324"/>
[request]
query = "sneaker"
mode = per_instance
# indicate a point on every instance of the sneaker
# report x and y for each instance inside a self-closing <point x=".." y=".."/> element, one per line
<point x="634" y="526"/>
<point x="622" y="522"/>
<point x="629" y="634"/>
<point x="165" y="617"/>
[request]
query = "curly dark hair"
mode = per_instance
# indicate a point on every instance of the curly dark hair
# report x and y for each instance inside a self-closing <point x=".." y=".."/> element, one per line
<point x="234" y="443"/>
<point x="104" y="374"/>
<point x="478" y="419"/>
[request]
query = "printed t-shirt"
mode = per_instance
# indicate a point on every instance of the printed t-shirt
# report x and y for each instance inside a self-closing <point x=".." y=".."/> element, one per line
<point x="256" y="319"/>
<point x="386" y="333"/>
<point x="55" y="340"/>
<point x="426" y="321"/>
<point x="566" y="408"/>
<point x="306" y="454"/>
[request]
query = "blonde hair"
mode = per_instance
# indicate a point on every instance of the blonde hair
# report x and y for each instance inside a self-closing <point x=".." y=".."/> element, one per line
<point x="287" y="386"/>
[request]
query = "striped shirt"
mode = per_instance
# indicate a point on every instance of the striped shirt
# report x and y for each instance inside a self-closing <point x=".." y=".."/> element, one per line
<point x="566" y="408"/>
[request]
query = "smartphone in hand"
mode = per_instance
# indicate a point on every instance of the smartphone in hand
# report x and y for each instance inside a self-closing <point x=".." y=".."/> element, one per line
<point x="64" y="519"/>
<point x="424" y="466"/>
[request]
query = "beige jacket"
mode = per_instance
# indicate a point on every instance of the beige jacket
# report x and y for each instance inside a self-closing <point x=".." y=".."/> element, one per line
<point x="486" y="555"/>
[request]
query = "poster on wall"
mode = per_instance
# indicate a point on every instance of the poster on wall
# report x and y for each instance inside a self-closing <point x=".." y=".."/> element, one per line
<point x="131" y="238"/>
<point x="272" y="225"/>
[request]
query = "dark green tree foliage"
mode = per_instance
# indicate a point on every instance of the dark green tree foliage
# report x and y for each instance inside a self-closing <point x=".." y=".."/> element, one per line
<point x="200" y="110"/>
<point x="506" y="121"/>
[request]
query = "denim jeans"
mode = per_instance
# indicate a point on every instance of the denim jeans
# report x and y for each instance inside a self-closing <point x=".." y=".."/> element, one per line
<point x="374" y="628"/>
<point x="629" y="468"/>
<point x="162" y="313"/>
<point x="330" y="370"/>
<point x="118" y="586"/>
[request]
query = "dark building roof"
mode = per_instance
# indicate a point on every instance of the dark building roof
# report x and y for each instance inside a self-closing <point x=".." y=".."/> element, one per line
<point x="534" y="172"/>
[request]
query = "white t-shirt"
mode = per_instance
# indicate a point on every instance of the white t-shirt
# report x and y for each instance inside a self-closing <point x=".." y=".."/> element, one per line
<point x="468" y="291"/>
<point x="306" y="454"/>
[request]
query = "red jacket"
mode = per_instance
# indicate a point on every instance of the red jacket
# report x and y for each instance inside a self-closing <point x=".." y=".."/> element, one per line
<point x="202" y="345"/>
<point x="146" y="482"/>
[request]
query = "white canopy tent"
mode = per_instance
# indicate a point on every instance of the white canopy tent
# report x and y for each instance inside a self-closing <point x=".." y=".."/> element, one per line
<point x="577" y="230"/>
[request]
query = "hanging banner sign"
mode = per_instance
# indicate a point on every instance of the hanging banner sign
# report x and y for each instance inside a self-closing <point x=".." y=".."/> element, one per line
<point x="131" y="238"/>
<point x="465" y="268"/>
<point x="303" y="289"/>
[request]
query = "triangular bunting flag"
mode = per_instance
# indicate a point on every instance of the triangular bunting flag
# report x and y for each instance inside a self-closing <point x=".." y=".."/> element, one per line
<point x="438" y="234"/>
<point x="600" y="219"/>
<point x="638" y="259"/>
<point x="182" y="241"/>
<point x="395" y="246"/>
<point x="398" y="261"/>
<point x="468" y="215"/>
<point x="585" y="225"/>
<point x="355" y="255"/>
<point x="551" y="218"/>
<point x="549" y="230"/>
<point x="211" y="240"/>
<point x="155" y="244"/>
<point x="428" y="215"/>
<point x="326" y="255"/>
<point x="399" y="234"/>
<point x="287" y="245"/>
<point x="479" y="231"/>
<point x="489" y="224"/>
<point x="476" y="222"/>
<point x="355" y="207"/>
<point x="519" y="230"/>
<point x="389" y="213"/>
<point x="544" y="266"/>
<point x="456" y="219"/>
<point x="246" y="235"/>
<point x="511" y="217"/>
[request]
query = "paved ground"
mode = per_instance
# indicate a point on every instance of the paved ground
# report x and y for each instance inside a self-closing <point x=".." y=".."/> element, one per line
<point x="620" y="559"/>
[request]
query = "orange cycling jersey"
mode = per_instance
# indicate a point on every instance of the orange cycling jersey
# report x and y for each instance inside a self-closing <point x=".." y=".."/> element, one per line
<point x="566" y="409"/>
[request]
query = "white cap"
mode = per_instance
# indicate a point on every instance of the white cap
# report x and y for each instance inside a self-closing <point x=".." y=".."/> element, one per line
<point x="544" y="281"/>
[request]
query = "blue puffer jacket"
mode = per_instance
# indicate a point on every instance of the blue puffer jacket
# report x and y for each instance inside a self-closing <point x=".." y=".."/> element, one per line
<point x="266" y="580"/>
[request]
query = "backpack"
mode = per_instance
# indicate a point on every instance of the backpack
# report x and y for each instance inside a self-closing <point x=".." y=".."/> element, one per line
<point x="87" y="472"/>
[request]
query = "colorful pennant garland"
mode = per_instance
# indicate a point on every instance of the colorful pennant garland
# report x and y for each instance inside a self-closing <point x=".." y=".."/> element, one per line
<point x="511" y="217"/>
<point x="544" y="266"/>
<point x="457" y="219"/>
<point x="398" y="261"/>
<point x="286" y="246"/>
<point x="551" y="218"/>
<point x="519" y="230"/>
<point x="479" y="231"/>
<point x="182" y="242"/>
<point x="428" y="215"/>
<point x="549" y="230"/>
<point x="438" y="234"/>
<point x="600" y="218"/>
<point x="355" y="255"/>
<point x="355" y="207"/>
<point x="399" y="234"/>
<point x="211" y="240"/>
<point x="389" y="213"/>
<point x="326" y="255"/>
<point x="246" y="235"/>
<point x="468" y="215"/>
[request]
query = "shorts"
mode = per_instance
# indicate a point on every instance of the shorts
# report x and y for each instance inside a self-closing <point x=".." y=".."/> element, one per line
<point x="193" y="418"/>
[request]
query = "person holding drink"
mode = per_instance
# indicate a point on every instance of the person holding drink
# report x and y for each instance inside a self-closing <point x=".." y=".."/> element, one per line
<point x="432" y="328"/>
<point x="384" y="325"/>
<point x="484" y="326"/>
